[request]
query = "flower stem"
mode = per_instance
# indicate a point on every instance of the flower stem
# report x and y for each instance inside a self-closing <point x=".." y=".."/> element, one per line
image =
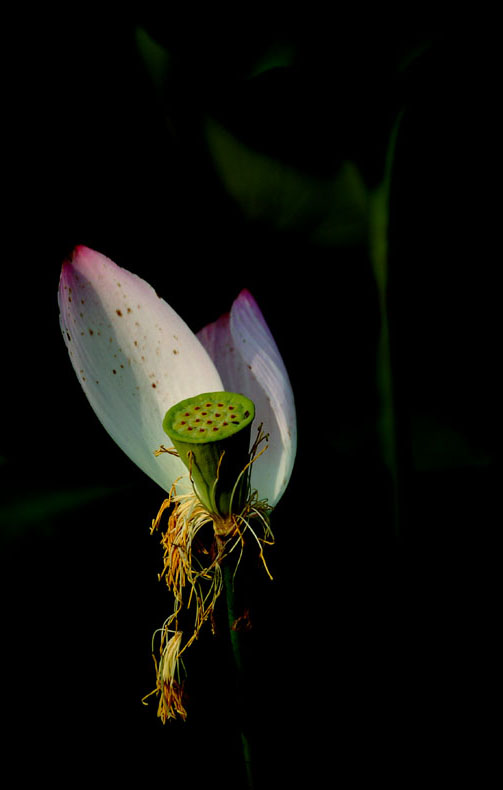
<point x="378" y="247"/>
<point x="235" y="642"/>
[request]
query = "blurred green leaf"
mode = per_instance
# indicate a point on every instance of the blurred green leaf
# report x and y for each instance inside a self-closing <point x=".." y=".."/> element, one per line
<point x="278" y="55"/>
<point x="437" y="445"/>
<point x="331" y="212"/>
<point x="155" y="57"/>
<point x="36" y="510"/>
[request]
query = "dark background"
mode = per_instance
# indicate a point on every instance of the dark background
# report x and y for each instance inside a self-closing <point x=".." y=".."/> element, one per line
<point x="369" y="653"/>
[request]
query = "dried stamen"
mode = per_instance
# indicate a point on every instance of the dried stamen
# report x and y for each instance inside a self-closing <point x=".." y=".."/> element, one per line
<point x="192" y="567"/>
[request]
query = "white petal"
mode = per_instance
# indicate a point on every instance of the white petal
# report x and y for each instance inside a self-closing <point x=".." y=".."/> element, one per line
<point x="133" y="355"/>
<point x="248" y="360"/>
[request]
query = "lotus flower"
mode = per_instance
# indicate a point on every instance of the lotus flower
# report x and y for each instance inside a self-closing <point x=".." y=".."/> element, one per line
<point x="135" y="358"/>
<point x="138" y="364"/>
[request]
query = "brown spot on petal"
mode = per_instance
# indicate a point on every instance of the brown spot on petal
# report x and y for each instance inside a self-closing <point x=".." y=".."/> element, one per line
<point x="118" y="313"/>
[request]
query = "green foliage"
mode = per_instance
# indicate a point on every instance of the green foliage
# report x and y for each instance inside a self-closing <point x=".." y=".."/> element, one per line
<point x="332" y="211"/>
<point x="38" y="511"/>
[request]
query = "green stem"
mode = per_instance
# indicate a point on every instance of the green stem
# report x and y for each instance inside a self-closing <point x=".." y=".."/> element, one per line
<point x="238" y="662"/>
<point x="378" y="248"/>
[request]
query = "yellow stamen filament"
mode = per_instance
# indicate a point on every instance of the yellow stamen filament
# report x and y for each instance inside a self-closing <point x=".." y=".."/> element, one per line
<point x="193" y="573"/>
<point x="170" y="702"/>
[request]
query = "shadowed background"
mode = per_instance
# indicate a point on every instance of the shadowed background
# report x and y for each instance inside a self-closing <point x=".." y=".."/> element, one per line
<point x="206" y="162"/>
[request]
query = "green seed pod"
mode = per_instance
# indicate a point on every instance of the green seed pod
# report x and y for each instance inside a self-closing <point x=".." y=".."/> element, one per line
<point x="211" y="433"/>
